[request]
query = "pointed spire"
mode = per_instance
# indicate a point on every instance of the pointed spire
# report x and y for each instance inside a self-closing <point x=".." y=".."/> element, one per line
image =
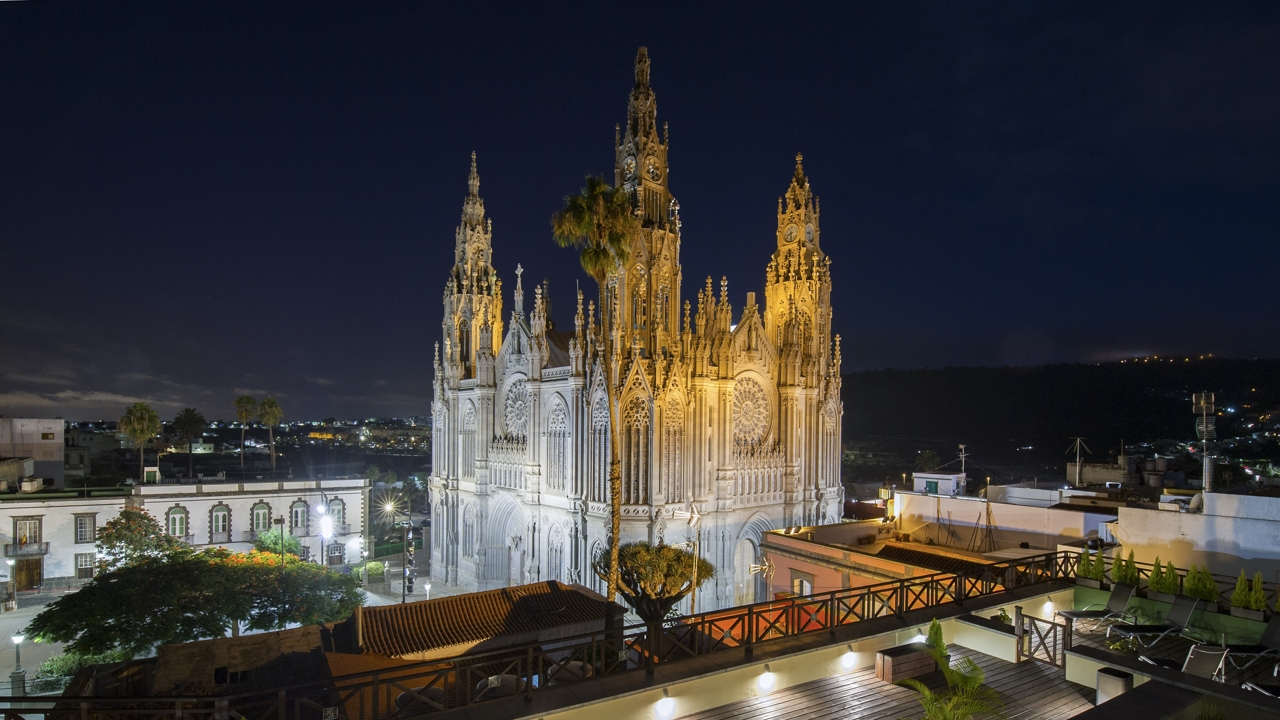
<point x="799" y="168"/>
<point x="473" y="180"/>
<point x="642" y="68"/>
<point x="519" y="293"/>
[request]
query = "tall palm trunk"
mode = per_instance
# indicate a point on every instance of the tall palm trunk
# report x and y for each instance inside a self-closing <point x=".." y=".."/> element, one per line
<point x="191" y="462"/>
<point x="242" y="450"/>
<point x="142" y="461"/>
<point x="615" y="459"/>
<point x="271" y="438"/>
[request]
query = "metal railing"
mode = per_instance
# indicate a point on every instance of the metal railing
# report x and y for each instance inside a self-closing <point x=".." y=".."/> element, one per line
<point x="219" y="538"/>
<point x="411" y="690"/>
<point x="29" y="549"/>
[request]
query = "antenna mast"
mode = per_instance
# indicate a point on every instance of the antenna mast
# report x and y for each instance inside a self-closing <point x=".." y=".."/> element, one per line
<point x="963" y="455"/>
<point x="1079" y="443"/>
<point x="1202" y="403"/>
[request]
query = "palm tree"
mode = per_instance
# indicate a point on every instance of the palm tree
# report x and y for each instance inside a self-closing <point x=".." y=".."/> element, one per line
<point x="600" y="223"/>
<point x="927" y="460"/>
<point x="271" y="413"/>
<point x="189" y="423"/>
<point x="246" y="411"/>
<point x="965" y="697"/>
<point x="140" y="423"/>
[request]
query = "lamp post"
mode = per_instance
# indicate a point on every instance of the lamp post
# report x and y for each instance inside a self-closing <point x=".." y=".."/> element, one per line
<point x="17" y="678"/>
<point x="12" y="595"/>
<point x="695" y="518"/>
<point x="280" y="525"/>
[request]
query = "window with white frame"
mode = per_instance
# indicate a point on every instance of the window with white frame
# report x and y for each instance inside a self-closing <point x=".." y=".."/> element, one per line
<point x="220" y="519"/>
<point x="338" y="512"/>
<point x="86" y="528"/>
<point x="178" y="522"/>
<point x="261" y="517"/>
<point x="84" y="566"/>
<point x="298" y="515"/>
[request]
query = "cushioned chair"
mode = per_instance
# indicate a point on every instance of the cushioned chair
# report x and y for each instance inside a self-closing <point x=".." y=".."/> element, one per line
<point x="1115" y="610"/>
<point x="1175" y="623"/>
<point x="1267" y="646"/>
<point x="1203" y="661"/>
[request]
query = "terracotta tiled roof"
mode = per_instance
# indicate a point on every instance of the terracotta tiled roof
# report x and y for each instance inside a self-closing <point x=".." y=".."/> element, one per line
<point x="403" y="630"/>
<point x="932" y="561"/>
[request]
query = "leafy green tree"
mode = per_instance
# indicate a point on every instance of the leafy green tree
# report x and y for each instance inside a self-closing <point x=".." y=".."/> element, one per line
<point x="132" y="537"/>
<point x="1258" y="593"/>
<point x="140" y="423"/>
<point x="1240" y="596"/>
<point x="189" y="423"/>
<point x="934" y="639"/>
<point x="271" y="414"/>
<point x="601" y="223"/>
<point x="653" y="578"/>
<point x="246" y="411"/>
<point x="161" y="601"/>
<point x="269" y="542"/>
<point x="966" y="696"/>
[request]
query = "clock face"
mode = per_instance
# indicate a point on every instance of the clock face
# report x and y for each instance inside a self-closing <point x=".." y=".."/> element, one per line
<point x="808" y="233"/>
<point x="629" y="167"/>
<point x="651" y="168"/>
<point x="790" y="233"/>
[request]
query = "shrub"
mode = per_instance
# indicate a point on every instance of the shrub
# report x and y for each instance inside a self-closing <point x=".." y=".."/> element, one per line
<point x="70" y="663"/>
<point x="1167" y="582"/>
<point x="1257" y="594"/>
<point x="1091" y="566"/>
<point x="934" y="640"/>
<point x="1200" y="584"/>
<point x="1125" y="571"/>
<point x="377" y="571"/>
<point x="1240" y="597"/>
<point x="1156" y="578"/>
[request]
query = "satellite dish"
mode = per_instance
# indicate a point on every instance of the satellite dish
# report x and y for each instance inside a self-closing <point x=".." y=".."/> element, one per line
<point x="1197" y="503"/>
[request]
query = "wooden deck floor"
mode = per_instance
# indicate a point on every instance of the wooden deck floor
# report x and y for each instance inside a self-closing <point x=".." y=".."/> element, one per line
<point x="1030" y="690"/>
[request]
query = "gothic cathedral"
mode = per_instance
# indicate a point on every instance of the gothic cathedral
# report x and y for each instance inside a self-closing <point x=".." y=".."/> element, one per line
<point x="739" y="421"/>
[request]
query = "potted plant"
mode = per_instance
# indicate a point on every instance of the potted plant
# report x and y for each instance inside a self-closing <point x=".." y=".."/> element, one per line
<point x="1090" y="572"/>
<point x="1163" y="584"/>
<point x="1249" y="600"/>
<point x="1125" y="571"/>
<point x="937" y="644"/>
<point x="1201" y="585"/>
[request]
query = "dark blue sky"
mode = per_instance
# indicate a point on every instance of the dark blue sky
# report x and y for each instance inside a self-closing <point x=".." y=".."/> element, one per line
<point x="198" y="198"/>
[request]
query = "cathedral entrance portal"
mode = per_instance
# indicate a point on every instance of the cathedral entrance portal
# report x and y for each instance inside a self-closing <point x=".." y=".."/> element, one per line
<point x="744" y="590"/>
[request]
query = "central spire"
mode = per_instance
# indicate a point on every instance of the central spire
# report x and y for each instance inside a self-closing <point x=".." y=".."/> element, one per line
<point x="642" y="68"/>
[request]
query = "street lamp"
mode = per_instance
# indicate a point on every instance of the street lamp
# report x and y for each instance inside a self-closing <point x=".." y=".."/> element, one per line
<point x="326" y="529"/>
<point x="17" y="678"/>
<point x="12" y="594"/>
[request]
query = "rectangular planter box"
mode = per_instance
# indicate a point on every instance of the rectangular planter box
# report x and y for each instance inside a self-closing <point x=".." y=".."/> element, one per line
<point x="1160" y="597"/>
<point x="1249" y="614"/>
<point x="1095" y="584"/>
<point x="904" y="661"/>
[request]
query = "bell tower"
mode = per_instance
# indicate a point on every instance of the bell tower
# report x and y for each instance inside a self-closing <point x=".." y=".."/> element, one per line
<point x="798" y="280"/>
<point x="473" y="294"/>
<point x="649" y="289"/>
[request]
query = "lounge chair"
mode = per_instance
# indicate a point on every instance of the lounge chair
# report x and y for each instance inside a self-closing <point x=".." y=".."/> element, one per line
<point x="1204" y="661"/>
<point x="1114" y="611"/>
<point x="1267" y="646"/>
<point x="1175" y="623"/>
<point x="1270" y="690"/>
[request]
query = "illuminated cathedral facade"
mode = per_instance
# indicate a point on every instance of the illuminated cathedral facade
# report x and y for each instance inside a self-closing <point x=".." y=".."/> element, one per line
<point x="734" y="415"/>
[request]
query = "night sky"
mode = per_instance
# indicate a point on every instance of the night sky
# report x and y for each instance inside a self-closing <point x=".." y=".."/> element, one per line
<point x="201" y="199"/>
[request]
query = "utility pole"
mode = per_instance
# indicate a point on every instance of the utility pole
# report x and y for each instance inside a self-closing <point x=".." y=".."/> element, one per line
<point x="963" y="455"/>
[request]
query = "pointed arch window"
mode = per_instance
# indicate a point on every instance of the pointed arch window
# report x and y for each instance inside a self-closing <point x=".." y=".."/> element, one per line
<point x="558" y="448"/>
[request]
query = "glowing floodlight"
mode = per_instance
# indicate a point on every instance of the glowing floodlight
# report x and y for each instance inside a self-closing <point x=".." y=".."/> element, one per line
<point x="766" y="680"/>
<point x="666" y="707"/>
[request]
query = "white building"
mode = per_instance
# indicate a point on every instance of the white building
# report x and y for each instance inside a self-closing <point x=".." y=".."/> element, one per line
<point x="50" y="536"/>
<point x="736" y="414"/>
<point x="40" y="439"/>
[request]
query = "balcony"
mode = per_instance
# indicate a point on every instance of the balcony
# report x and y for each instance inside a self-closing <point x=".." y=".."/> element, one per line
<point x="249" y="536"/>
<point x="219" y="538"/>
<point x="300" y="531"/>
<point x="24" y="550"/>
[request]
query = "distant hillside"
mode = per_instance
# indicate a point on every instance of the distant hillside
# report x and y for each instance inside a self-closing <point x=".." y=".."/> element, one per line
<point x="996" y="410"/>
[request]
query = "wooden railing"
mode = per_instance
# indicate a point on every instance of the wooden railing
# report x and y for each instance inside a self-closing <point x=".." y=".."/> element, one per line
<point x="1040" y="639"/>
<point x="411" y="690"/>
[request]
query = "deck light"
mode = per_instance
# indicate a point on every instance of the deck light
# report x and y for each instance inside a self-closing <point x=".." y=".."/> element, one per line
<point x="848" y="660"/>
<point x="665" y="707"/>
<point x="766" y="679"/>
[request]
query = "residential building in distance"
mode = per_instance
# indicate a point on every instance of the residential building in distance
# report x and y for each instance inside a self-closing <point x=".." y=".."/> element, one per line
<point x="40" y="439"/>
<point x="50" y="535"/>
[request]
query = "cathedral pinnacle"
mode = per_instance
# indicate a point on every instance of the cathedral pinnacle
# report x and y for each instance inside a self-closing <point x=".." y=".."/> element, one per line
<point x="799" y="168"/>
<point x="642" y="67"/>
<point x="473" y="180"/>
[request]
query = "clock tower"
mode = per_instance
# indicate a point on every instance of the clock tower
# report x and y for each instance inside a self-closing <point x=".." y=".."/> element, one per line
<point x="649" y="289"/>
